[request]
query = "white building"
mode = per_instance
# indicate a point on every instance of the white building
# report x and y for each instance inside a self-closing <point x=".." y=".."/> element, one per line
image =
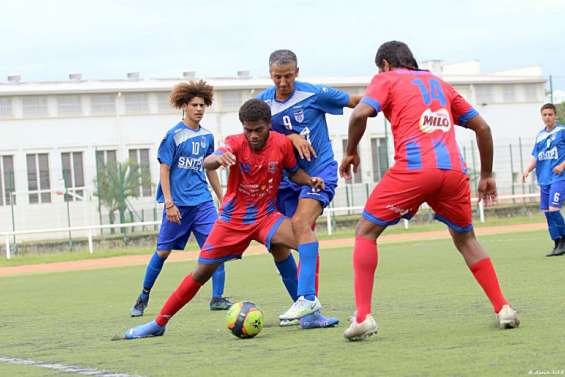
<point x="51" y="130"/>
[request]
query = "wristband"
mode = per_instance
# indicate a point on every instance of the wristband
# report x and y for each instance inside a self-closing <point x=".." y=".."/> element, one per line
<point x="169" y="206"/>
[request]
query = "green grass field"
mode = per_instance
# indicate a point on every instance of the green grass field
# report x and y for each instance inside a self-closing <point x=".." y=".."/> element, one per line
<point x="434" y="319"/>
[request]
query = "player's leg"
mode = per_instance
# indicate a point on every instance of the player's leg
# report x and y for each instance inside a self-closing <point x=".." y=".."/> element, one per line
<point x="171" y="236"/>
<point x="556" y="224"/>
<point x="397" y="195"/>
<point x="202" y="226"/>
<point x="176" y="301"/>
<point x="452" y="204"/>
<point x="308" y="313"/>
<point x="223" y="243"/>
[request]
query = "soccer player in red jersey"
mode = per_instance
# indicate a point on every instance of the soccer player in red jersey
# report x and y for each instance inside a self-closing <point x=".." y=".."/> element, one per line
<point x="423" y="111"/>
<point x="256" y="158"/>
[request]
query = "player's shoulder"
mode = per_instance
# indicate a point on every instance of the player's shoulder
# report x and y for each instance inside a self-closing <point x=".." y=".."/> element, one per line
<point x="278" y="139"/>
<point x="176" y="129"/>
<point x="267" y="94"/>
<point x="235" y="139"/>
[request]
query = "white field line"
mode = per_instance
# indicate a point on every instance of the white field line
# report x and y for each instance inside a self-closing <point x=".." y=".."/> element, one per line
<point x="64" y="368"/>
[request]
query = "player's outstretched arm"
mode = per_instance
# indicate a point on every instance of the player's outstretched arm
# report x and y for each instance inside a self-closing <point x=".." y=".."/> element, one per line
<point x="214" y="161"/>
<point x="354" y="101"/>
<point x="357" y="126"/>
<point x="487" y="184"/>
<point x="300" y="177"/>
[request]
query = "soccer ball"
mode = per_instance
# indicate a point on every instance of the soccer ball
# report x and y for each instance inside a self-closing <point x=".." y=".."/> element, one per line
<point x="244" y="319"/>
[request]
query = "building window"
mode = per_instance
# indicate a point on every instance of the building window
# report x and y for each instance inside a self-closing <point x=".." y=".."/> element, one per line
<point x="102" y="104"/>
<point x="484" y="94"/>
<point x="136" y="103"/>
<point x="69" y="105"/>
<point x="38" y="183"/>
<point x="140" y="157"/>
<point x="163" y="104"/>
<point x="358" y="176"/>
<point x="103" y="158"/>
<point x="379" y="155"/>
<point x="73" y="175"/>
<point x="34" y="106"/>
<point x="531" y="93"/>
<point x="508" y="93"/>
<point x="7" y="181"/>
<point x="6" y="107"/>
<point x="230" y="100"/>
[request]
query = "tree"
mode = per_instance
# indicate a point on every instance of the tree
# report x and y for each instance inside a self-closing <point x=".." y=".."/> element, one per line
<point x="118" y="181"/>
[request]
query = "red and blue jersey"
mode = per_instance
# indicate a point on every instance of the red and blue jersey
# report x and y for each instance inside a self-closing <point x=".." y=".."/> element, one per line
<point x="422" y="110"/>
<point x="254" y="180"/>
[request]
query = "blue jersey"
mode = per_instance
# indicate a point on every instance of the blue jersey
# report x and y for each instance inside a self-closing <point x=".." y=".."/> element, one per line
<point x="549" y="151"/>
<point x="184" y="150"/>
<point x="304" y="113"/>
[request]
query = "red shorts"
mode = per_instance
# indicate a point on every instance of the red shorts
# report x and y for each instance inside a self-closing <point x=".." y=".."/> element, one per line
<point x="229" y="240"/>
<point x="400" y="194"/>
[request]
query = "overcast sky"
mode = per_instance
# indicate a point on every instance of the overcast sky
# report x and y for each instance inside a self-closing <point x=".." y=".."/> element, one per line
<point x="47" y="39"/>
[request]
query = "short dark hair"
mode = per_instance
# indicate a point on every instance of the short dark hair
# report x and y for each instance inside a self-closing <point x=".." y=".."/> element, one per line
<point x="184" y="92"/>
<point x="254" y="110"/>
<point x="548" y="106"/>
<point x="397" y="54"/>
<point x="283" y="57"/>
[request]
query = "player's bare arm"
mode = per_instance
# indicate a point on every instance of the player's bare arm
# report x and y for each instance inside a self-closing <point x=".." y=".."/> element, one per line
<point x="173" y="213"/>
<point x="300" y="177"/>
<point x="559" y="168"/>
<point x="214" y="180"/>
<point x="487" y="184"/>
<point x="214" y="161"/>
<point x="357" y="126"/>
<point x="303" y="146"/>
<point x="353" y="101"/>
<point x="531" y="167"/>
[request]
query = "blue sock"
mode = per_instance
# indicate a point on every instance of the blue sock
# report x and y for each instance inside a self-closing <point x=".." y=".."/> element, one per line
<point x="218" y="281"/>
<point x="306" y="278"/>
<point x="559" y="222"/>
<point x="152" y="272"/>
<point x="552" y="224"/>
<point x="289" y="275"/>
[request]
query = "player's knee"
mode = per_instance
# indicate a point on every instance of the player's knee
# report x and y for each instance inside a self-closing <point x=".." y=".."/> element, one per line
<point x="367" y="229"/>
<point x="163" y="253"/>
<point x="204" y="272"/>
<point x="300" y="225"/>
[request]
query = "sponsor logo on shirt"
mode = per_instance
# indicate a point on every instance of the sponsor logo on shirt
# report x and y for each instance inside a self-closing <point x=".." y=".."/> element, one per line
<point x="431" y="121"/>
<point x="550" y="154"/>
<point x="190" y="163"/>
<point x="203" y="142"/>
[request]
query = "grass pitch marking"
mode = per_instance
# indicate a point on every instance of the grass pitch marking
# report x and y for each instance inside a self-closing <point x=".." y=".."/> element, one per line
<point x="64" y="368"/>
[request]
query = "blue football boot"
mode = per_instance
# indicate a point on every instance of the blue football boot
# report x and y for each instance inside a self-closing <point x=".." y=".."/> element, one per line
<point x="316" y="320"/>
<point x="145" y="331"/>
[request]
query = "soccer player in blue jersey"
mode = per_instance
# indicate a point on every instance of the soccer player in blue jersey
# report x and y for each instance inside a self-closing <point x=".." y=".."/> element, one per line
<point x="548" y="159"/>
<point x="183" y="189"/>
<point x="298" y="111"/>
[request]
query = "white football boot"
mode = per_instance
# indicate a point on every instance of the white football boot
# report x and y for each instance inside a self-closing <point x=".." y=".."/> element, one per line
<point x="507" y="318"/>
<point x="301" y="308"/>
<point x="361" y="331"/>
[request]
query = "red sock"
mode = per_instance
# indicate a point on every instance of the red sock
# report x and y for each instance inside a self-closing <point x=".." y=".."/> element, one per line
<point x="485" y="275"/>
<point x="365" y="259"/>
<point x="180" y="297"/>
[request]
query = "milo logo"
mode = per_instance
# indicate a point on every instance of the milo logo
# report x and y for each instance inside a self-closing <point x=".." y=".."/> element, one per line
<point x="431" y="121"/>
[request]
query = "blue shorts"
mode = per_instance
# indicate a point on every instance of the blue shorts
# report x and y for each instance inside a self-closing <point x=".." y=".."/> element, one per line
<point x="196" y="219"/>
<point x="552" y="195"/>
<point x="290" y="193"/>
